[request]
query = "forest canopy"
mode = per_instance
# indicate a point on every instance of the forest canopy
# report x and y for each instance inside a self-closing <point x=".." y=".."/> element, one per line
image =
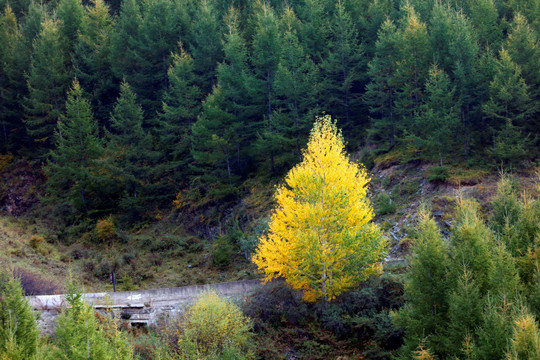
<point x="199" y="96"/>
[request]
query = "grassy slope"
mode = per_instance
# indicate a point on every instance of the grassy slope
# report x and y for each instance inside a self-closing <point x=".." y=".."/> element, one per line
<point x="175" y="250"/>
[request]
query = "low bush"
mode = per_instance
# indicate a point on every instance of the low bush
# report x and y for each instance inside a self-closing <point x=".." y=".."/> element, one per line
<point x="276" y="304"/>
<point x="222" y="252"/>
<point x="437" y="173"/>
<point x="36" y="241"/>
<point x="214" y="328"/>
<point x="384" y="205"/>
<point x="105" y="229"/>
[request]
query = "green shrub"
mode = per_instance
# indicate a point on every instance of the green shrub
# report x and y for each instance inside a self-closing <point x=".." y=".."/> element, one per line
<point x="384" y="205"/>
<point x="248" y="241"/>
<point x="19" y="335"/>
<point x="147" y="346"/>
<point x="214" y="328"/>
<point x="222" y="252"/>
<point x="35" y="241"/>
<point x="80" y="336"/>
<point x="437" y="173"/>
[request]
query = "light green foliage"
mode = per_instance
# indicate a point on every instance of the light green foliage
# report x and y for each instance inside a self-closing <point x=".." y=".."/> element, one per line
<point x="19" y="335"/>
<point x="79" y="335"/>
<point x="427" y="288"/>
<point x="214" y="328"/>
<point x="485" y="280"/>
<point x="472" y="243"/>
<point x="515" y="217"/>
<point x="509" y="98"/>
<point x="525" y="341"/>
<point x="503" y="277"/>
<point x="465" y="309"/>
<point x="495" y="329"/>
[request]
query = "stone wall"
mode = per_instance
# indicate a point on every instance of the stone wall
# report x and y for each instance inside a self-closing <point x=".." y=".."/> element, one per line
<point x="140" y="308"/>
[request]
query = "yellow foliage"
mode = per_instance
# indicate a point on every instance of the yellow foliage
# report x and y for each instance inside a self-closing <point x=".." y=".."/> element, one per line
<point x="320" y="237"/>
<point x="423" y="352"/>
<point x="105" y="229"/>
<point x="525" y="343"/>
<point x="5" y="160"/>
<point x="36" y="241"/>
<point x="214" y="326"/>
<point x="180" y="200"/>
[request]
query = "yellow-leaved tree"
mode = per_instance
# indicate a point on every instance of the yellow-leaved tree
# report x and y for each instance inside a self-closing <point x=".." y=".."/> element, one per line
<point x="320" y="237"/>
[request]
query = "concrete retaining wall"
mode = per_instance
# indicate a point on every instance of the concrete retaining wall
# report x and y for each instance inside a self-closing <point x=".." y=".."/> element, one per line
<point x="140" y="307"/>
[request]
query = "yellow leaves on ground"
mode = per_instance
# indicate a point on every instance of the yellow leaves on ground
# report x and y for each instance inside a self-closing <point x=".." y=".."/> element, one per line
<point x="320" y="237"/>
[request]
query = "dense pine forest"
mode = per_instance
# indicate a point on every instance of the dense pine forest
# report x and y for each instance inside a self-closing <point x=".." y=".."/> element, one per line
<point x="148" y="137"/>
<point x="127" y="105"/>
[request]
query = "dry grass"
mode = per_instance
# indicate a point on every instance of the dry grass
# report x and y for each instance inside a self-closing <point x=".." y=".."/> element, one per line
<point x="30" y="257"/>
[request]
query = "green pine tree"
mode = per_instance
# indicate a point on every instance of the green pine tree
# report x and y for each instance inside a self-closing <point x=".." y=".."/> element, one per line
<point x="48" y="81"/>
<point x="464" y="312"/>
<point x="206" y="46"/>
<point x="381" y="90"/>
<point x="181" y="106"/>
<point x="503" y="277"/>
<point x="215" y="142"/>
<point x="131" y="148"/>
<point x="509" y="109"/>
<point x="296" y="88"/>
<point x="70" y="15"/>
<point x="343" y="70"/>
<point x="79" y="336"/>
<point x="92" y="58"/>
<point x="141" y="47"/>
<point x="73" y="167"/>
<point x="425" y="314"/>
<point x="484" y="16"/>
<point x="525" y="340"/>
<point x="412" y="65"/>
<point x="19" y="334"/>
<point x="265" y="60"/>
<point x="472" y="242"/>
<point x="438" y="119"/>
<point x="495" y="329"/>
<point x="523" y="46"/>
<point x="12" y="82"/>
<point x="464" y="52"/>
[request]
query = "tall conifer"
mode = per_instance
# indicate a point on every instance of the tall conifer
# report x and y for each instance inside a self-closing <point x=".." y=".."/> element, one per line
<point x="48" y="81"/>
<point x="73" y="167"/>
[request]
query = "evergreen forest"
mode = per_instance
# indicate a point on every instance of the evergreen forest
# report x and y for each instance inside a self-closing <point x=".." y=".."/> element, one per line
<point x="183" y="142"/>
